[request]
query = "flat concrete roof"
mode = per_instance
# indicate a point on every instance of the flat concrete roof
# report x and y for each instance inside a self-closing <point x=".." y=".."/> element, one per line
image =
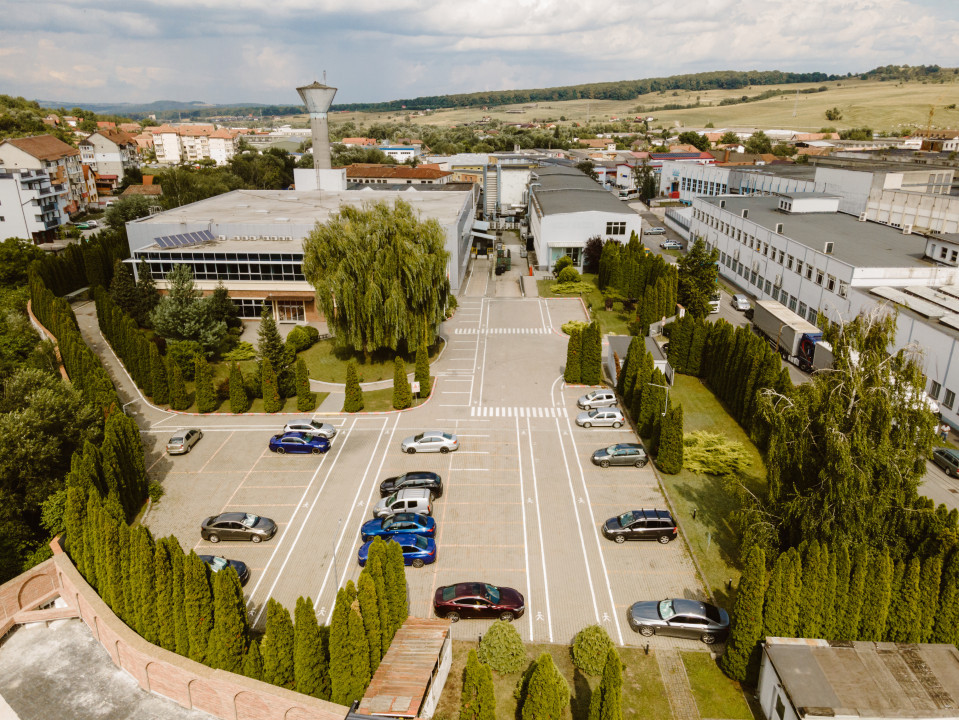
<point x="800" y="172"/>
<point x="861" y="244"/>
<point x="563" y="190"/>
<point x="867" y="679"/>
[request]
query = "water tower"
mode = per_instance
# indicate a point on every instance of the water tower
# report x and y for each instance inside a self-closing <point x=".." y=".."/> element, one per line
<point x="318" y="98"/>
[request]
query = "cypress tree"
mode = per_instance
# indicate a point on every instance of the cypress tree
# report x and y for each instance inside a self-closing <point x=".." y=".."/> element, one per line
<point x="402" y="394"/>
<point x="606" y="702"/>
<point x="742" y="649"/>
<point x="206" y="400"/>
<point x="841" y="596"/>
<point x="615" y="267"/>
<point x="161" y="388"/>
<point x="547" y="693"/>
<point x="305" y="398"/>
<point x="394" y="573"/>
<point x="179" y="400"/>
<point x="905" y="614"/>
<point x="253" y="662"/>
<point x="353" y="400"/>
<point x="123" y="289"/>
<point x="849" y="622"/>
<point x="946" y="628"/>
<point x="308" y="659"/>
<point x="929" y="582"/>
<point x="814" y="585"/>
<point x="375" y="565"/>
<point x="147" y="295"/>
<point x="93" y="541"/>
<point x="422" y="373"/>
<point x="572" y="373"/>
<point x="228" y="637"/>
<point x="627" y="372"/>
<point x="679" y="332"/>
<point x="877" y="596"/>
<point x="271" y="393"/>
<point x="828" y="627"/>
<point x="370" y="612"/>
<point x="670" y="457"/>
<point x="340" y="667"/>
<point x="359" y="648"/>
<point x="120" y="569"/>
<point x="644" y="374"/>
<point x="477" y="701"/>
<point x="163" y="565"/>
<point x="239" y="402"/>
<point x="270" y="345"/>
<point x="197" y="606"/>
<point x="697" y="342"/>
<point x="181" y="636"/>
<point x="773" y="609"/>
<point x="592" y="355"/>
<point x="277" y="646"/>
<point x="74" y="517"/>
<point x="145" y="585"/>
<point x="651" y="411"/>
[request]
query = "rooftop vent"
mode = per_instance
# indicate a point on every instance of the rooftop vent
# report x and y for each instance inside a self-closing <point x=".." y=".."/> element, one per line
<point x="779" y="228"/>
<point x="827" y="248"/>
<point x="745" y="213"/>
<point x="722" y="203"/>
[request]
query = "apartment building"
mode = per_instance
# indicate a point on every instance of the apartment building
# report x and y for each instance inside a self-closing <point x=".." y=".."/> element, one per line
<point x="61" y="163"/>
<point x="110" y="154"/>
<point x="28" y="205"/>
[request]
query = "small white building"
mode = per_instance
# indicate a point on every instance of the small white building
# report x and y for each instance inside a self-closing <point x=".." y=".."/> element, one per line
<point x="802" y="678"/>
<point x="402" y="153"/>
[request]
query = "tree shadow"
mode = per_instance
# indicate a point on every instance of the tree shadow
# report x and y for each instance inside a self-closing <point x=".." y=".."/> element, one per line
<point x="581" y="695"/>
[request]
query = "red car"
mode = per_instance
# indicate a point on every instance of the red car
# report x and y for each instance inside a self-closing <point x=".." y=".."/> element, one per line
<point x="478" y="600"/>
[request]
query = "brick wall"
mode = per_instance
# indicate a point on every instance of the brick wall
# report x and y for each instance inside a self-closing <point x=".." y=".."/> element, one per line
<point x="192" y="685"/>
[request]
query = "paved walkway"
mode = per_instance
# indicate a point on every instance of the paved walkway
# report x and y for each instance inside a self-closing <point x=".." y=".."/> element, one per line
<point x="681" y="699"/>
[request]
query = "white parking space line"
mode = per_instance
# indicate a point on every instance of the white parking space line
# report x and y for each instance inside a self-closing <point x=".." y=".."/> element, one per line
<point x="313" y="504"/>
<point x="479" y="400"/>
<point x="548" y="316"/>
<point x="599" y="550"/>
<point x="215" y="452"/>
<point x="349" y="517"/>
<point x="248" y="473"/>
<point x="542" y="317"/>
<point x="539" y="525"/>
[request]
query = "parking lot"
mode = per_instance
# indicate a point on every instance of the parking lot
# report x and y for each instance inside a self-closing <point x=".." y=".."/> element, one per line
<point x="522" y="504"/>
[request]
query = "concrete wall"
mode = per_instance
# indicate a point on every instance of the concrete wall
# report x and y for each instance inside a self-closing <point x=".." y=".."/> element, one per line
<point x="937" y="213"/>
<point x="853" y="186"/>
<point x="511" y="186"/>
<point x="770" y="689"/>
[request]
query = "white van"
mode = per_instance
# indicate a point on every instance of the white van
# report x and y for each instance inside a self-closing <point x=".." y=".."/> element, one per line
<point x="715" y="299"/>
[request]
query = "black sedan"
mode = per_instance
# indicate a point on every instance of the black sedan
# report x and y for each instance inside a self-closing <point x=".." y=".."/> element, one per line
<point x="679" y="618"/>
<point x="621" y="454"/>
<point x="641" y="525"/>
<point x="237" y="526"/>
<point x="418" y="479"/>
<point x="217" y="563"/>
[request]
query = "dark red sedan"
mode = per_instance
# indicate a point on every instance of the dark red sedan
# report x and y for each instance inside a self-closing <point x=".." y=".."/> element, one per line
<point x="478" y="600"/>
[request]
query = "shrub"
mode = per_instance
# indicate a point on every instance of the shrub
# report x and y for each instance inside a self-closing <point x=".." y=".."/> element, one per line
<point x="561" y="264"/>
<point x="573" y="324"/>
<point x="182" y="353"/>
<point x="242" y="351"/>
<point x="618" y="306"/>
<point x="502" y="648"/>
<point x="590" y="648"/>
<point x="353" y="400"/>
<point x="712" y="454"/>
<point x="572" y="288"/>
<point x="156" y="491"/>
<point x="302" y="337"/>
<point x="568" y="275"/>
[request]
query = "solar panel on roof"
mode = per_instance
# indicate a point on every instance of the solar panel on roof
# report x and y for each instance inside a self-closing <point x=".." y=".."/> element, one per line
<point x="160" y="242"/>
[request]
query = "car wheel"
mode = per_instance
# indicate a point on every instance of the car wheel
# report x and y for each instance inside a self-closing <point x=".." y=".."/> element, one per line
<point x="617" y="425"/>
<point x="411" y="451"/>
<point x="255" y="538"/>
<point x="214" y="538"/>
<point x="317" y="451"/>
<point x="506" y="616"/>
<point x="586" y="425"/>
<point x="646" y="631"/>
<point x="708" y="639"/>
<point x="620" y="539"/>
<point x="200" y="435"/>
<point x="453" y="617"/>
<point x="641" y="463"/>
<point x="189" y="448"/>
<point x="444" y="450"/>
<point x="604" y="463"/>
<point x="664" y="539"/>
<point x="280" y="451"/>
<point x="418" y="563"/>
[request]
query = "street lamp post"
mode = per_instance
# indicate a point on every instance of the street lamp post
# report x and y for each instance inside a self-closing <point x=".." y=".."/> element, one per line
<point x="666" y="388"/>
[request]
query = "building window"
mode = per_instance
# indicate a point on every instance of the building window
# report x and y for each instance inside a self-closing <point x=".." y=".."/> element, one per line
<point x="615" y="228"/>
<point x="949" y="399"/>
<point x="792" y="304"/>
<point x="809" y="272"/>
<point x="830" y="283"/>
<point x="943" y="251"/>
<point x="802" y="308"/>
<point x="752" y="278"/>
<point x="789" y="262"/>
<point x="819" y="277"/>
<point x="780" y="707"/>
<point x="768" y="285"/>
<point x="954" y="256"/>
<point x="290" y="311"/>
<point x="775" y="294"/>
<point x="782" y="256"/>
<point x="813" y="315"/>
<point x="799" y="266"/>
<point x="842" y="289"/>
<point x="934" y="390"/>
<point x="248" y="307"/>
<point x="765" y="249"/>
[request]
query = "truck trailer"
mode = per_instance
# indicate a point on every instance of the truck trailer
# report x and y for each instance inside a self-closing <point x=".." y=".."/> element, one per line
<point x="788" y="333"/>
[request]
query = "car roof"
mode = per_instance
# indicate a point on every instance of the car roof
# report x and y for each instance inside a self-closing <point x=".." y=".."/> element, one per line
<point x="628" y="446"/>
<point x="469" y="588"/>
<point x="653" y="513"/>
<point x="420" y="474"/>
<point x="739" y="296"/>
<point x="954" y="454"/>
<point x="407" y="493"/>
<point x="224" y="517"/>
<point x="682" y="606"/>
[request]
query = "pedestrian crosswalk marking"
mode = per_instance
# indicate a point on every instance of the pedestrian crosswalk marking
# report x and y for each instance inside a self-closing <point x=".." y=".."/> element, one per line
<point x="530" y="412"/>
<point x="502" y="331"/>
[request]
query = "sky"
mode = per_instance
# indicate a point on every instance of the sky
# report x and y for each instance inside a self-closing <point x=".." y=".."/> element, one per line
<point x="234" y="51"/>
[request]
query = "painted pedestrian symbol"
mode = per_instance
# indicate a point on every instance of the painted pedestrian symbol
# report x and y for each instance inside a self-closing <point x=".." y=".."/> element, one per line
<point x="539" y="616"/>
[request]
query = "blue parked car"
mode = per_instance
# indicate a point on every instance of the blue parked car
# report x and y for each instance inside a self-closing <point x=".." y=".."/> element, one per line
<point x="297" y="442"/>
<point x="401" y="523"/>
<point x="417" y="550"/>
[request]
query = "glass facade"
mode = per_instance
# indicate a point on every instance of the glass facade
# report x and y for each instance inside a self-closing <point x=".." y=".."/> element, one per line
<point x="228" y="266"/>
<point x="248" y="307"/>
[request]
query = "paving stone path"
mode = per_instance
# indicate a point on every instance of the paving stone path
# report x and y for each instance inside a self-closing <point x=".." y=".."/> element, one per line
<point x="681" y="699"/>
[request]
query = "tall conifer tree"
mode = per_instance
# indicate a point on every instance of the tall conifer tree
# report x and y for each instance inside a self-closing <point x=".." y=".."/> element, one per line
<point x="572" y="374"/>
<point x="239" y="402"/>
<point x="197" y="606"/>
<point x="277" y="646"/>
<point x="742" y="649"/>
<point x="353" y="399"/>
<point x="402" y="394"/>
<point x="309" y="666"/>
<point x="253" y="662"/>
<point x="228" y="637"/>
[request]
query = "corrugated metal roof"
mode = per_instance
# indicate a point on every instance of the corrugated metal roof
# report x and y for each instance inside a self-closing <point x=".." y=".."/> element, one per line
<point x="923" y="307"/>
<point x="949" y="302"/>
<point x="403" y="677"/>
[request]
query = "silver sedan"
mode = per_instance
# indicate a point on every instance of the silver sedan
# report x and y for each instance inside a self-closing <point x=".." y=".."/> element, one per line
<point x="313" y="427"/>
<point x="601" y="417"/>
<point x="430" y="441"/>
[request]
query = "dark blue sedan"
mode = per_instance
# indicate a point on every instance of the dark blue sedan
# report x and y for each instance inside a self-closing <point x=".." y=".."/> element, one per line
<point x="401" y="523"/>
<point x="417" y="550"/>
<point x="297" y="442"/>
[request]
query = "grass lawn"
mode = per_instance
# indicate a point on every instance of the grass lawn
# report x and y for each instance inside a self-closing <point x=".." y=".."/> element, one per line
<point x="644" y="697"/>
<point x="716" y="695"/>
<point x="712" y="536"/>
<point x="610" y="321"/>
<point x="380" y="400"/>
<point x="326" y="363"/>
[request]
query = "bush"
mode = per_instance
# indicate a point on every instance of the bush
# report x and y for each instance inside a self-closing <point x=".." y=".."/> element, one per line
<point x="156" y="491"/>
<point x="573" y="325"/>
<point x="712" y="454"/>
<point x="302" y="337"/>
<point x="502" y="648"/>
<point x="618" y="306"/>
<point x="182" y="353"/>
<point x="572" y="288"/>
<point x="561" y="264"/>
<point x="242" y="351"/>
<point x="590" y="648"/>
<point x="568" y="275"/>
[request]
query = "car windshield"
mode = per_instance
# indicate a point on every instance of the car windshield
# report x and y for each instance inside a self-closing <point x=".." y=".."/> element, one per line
<point x="176" y="439"/>
<point x="419" y="437"/>
<point x="388" y="522"/>
<point x="492" y="594"/>
<point x="421" y="543"/>
<point x="625" y="519"/>
<point x="449" y="592"/>
<point x="307" y="437"/>
<point x="447" y="436"/>
<point x="314" y="423"/>
<point x="218" y="564"/>
<point x="250" y="520"/>
<point x="593" y="413"/>
<point x="612" y="449"/>
<point x="666" y="609"/>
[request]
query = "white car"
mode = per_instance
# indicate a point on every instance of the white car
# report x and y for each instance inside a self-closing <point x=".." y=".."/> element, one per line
<point x="601" y="417"/>
<point x="740" y="302"/>
<point x="596" y="399"/>
<point x="312" y="427"/>
<point x="671" y="245"/>
<point x="430" y="441"/>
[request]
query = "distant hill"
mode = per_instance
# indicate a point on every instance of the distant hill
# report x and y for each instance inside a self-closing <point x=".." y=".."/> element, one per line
<point x="129" y="109"/>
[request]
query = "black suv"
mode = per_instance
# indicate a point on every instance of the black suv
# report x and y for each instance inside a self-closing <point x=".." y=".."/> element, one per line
<point x="418" y="479"/>
<point x="641" y="525"/>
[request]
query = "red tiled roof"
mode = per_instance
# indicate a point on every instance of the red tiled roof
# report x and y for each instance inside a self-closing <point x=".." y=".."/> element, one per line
<point x="149" y="190"/>
<point x="394" y="172"/>
<point x="105" y="124"/>
<point x="117" y="136"/>
<point x="358" y="141"/>
<point x="224" y="133"/>
<point x="44" y="147"/>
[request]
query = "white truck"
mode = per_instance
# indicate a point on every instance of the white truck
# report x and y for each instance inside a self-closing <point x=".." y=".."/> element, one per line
<point x="791" y="335"/>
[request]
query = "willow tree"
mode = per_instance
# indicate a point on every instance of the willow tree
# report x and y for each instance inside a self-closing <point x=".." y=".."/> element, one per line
<point x="380" y="275"/>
